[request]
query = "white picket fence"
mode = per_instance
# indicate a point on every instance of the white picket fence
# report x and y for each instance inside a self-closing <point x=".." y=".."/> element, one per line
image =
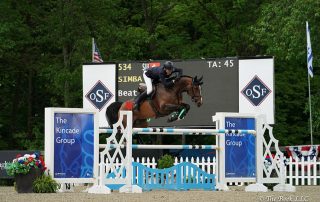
<point x="303" y="172"/>
<point x="298" y="173"/>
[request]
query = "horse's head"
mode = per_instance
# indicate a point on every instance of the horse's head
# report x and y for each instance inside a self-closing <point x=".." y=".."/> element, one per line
<point x="195" y="91"/>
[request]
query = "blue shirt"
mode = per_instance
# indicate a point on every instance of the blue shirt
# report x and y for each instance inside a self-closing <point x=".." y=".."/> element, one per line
<point x="158" y="74"/>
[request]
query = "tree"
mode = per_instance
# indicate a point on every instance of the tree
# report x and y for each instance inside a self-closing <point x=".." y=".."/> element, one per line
<point x="281" y="32"/>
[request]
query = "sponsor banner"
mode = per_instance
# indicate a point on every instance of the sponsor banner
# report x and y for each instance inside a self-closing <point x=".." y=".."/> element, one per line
<point x="240" y="149"/>
<point x="71" y="144"/>
<point x="256" y="87"/>
<point x="99" y="88"/>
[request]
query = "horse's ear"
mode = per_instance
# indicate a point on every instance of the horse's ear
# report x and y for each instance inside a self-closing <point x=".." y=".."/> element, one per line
<point x="200" y="83"/>
<point x="195" y="79"/>
<point x="200" y="78"/>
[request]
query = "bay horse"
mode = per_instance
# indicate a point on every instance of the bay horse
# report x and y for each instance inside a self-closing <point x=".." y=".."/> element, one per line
<point x="162" y="103"/>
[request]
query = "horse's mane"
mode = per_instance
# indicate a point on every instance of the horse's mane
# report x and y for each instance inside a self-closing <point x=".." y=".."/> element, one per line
<point x="186" y="76"/>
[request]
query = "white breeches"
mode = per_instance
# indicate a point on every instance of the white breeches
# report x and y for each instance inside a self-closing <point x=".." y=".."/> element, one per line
<point x="148" y="82"/>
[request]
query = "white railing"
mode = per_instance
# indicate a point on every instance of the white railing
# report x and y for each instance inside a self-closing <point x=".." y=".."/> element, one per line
<point x="206" y="164"/>
<point x="304" y="172"/>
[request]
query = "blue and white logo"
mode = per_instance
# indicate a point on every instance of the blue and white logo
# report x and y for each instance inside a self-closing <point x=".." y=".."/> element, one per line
<point x="256" y="91"/>
<point x="99" y="95"/>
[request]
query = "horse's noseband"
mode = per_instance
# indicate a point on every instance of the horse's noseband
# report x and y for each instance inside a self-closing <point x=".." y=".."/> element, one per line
<point x="193" y="98"/>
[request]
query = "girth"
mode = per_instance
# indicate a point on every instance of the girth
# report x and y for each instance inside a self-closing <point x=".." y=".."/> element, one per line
<point x="156" y="111"/>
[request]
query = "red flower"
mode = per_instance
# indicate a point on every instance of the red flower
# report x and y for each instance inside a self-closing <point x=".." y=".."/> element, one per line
<point x="18" y="155"/>
<point x="42" y="161"/>
<point x="30" y="159"/>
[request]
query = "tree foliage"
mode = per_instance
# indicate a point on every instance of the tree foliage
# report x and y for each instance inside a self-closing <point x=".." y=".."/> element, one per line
<point x="44" y="43"/>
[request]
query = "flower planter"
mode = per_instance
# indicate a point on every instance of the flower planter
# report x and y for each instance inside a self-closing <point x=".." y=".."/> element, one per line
<point x="24" y="181"/>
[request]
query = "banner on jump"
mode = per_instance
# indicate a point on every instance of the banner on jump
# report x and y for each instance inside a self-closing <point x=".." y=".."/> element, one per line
<point x="73" y="145"/>
<point x="73" y="136"/>
<point x="240" y="148"/>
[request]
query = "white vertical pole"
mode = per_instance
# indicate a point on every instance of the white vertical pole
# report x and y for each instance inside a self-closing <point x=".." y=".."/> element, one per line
<point x="258" y="186"/>
<point x="290" y="170"/>
<point x="310" y="73"/>
<point x="220" y="155"/>
<point x="302" y="171"/>
<point x="127" y="133"/>
<point x="309" y="171"/>
<point x="310" y="114"/>
<point x="314" y="165"/>
<point x="296" y="165"/>
<point x="259" y="150"/>
<point x="129" y="148"/>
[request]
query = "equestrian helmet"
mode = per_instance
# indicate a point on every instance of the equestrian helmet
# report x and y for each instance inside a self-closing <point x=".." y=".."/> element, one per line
<point x="168" y="65"/>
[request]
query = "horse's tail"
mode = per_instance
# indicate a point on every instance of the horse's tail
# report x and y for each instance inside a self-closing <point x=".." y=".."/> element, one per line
<point x="112" y="113"/>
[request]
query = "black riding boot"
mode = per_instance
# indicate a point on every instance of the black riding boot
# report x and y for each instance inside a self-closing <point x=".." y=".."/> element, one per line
<point x="139" y="99"/>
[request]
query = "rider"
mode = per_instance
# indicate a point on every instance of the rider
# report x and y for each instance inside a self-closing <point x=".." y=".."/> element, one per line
<point x="155" y="75"/>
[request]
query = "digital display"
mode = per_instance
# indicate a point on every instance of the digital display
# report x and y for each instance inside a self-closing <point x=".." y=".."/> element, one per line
<point x="219" y="89"/>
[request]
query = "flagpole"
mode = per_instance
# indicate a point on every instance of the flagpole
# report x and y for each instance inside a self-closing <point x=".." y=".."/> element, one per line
<point x="310" y="110"/>
<point x="310" y="73"/>
<point x="92" y="53"/>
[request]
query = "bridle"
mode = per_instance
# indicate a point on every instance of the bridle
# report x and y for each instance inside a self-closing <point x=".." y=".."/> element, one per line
<point x="194" y="97"/>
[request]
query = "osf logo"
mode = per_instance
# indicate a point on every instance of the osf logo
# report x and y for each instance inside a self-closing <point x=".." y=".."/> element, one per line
<point x="256" y="91"/>
<point x="99" y="95"/>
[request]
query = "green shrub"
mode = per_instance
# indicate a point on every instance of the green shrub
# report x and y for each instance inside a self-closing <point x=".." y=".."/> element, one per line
<point x="45" y="184"/>
<point x="165" y="161"/>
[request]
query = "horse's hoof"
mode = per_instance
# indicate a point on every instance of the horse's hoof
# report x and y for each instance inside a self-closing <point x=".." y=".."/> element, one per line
<point x="169" y="120"/>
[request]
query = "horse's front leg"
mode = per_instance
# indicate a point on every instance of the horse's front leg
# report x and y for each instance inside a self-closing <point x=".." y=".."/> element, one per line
<point x="183" y="110"/>
<point x="170" y="107"/>
<point x="179" y="111"/>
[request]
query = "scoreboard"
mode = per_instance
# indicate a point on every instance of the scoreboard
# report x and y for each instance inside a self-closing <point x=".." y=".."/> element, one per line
<point x="231" y="84"/>
<point x="218" y="94"/>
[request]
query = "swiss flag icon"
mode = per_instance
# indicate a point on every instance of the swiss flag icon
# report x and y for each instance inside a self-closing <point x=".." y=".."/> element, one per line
<point x="154" y="64"/>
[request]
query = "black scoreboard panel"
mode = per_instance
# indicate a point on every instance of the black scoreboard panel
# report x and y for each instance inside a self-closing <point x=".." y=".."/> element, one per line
<point x="219" y="90"/>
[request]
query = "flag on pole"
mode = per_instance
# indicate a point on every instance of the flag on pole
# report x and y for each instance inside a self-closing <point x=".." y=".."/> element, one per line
<point x="96" y="56"/>
<point x="309" y="51"/>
